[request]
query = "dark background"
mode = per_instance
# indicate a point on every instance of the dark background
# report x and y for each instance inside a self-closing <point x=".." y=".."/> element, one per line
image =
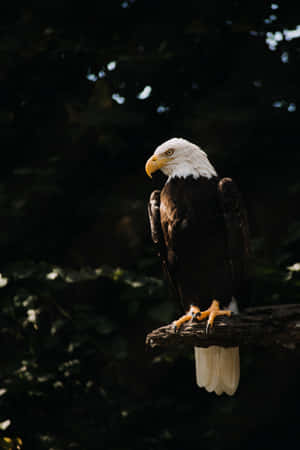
<point x="81" y="284"/>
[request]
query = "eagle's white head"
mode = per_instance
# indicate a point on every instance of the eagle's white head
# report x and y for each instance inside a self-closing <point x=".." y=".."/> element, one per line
<point x="178" y="157"/>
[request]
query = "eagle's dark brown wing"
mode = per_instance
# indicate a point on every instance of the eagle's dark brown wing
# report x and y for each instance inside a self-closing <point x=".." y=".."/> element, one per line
<point x="237" y="231"/>
<point x="155" y="225"/>
<point x="158" y="237"/>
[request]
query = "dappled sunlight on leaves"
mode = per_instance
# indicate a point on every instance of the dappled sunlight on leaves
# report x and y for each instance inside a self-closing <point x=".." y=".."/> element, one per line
<point x="60" y="343"/>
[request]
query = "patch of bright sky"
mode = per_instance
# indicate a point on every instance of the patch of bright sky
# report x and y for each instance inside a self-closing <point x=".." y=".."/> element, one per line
<point x="285" y="57"/>
<point x="144" y="93"/>
<point x="118" y="98"/>
<point x="161" y="109"/>
<point x="111" y="65"/>
<point x="292" y="34"/>
<point x="291" y="107"/>
<point x="274" y="6"/>
<point x="101" y="74"/>
<point x="92" y="77"/>
<point x="125" y="3"/>
<point x="272" y="39"/>
<point x="270" y="19"/>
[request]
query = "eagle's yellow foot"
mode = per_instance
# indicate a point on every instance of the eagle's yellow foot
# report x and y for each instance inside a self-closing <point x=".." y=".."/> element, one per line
<point x="194" y="311"/>
<point x="212" y="312"/>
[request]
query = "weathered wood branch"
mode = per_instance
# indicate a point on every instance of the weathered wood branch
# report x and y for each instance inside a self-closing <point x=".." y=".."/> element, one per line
<point x="266" y="326"/>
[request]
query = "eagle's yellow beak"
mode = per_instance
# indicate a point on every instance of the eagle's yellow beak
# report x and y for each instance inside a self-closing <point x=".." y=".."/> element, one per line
<point x="154" y="163"/>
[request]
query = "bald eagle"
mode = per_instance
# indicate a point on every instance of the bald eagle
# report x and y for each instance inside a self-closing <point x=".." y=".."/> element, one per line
<point x="199" y="226"/>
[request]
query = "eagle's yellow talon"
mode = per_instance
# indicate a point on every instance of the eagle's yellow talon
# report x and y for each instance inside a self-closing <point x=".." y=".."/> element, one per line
<point x="194" y="311"/>
<point x="212" y="312"/>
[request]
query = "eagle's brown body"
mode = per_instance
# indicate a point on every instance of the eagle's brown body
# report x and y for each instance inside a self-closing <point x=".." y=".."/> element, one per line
<point x="200" y="228"/>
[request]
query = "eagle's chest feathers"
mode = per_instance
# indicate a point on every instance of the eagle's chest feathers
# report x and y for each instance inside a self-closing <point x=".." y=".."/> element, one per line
<point x="188" y="205"/>
<point x="190" y="213"/>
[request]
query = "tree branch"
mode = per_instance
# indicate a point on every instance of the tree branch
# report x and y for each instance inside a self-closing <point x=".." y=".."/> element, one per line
<point x="266" y="326"/>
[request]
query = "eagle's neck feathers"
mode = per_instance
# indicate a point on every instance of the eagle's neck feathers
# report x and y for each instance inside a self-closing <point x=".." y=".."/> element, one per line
<point x="203" y="169"/>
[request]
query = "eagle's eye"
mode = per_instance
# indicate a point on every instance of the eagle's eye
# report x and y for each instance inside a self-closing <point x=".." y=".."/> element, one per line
<point x="169" y="152"/>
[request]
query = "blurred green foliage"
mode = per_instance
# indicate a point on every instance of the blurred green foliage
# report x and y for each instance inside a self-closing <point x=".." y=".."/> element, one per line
<point x="87" y="92"/>
<point x="69" y="342"/>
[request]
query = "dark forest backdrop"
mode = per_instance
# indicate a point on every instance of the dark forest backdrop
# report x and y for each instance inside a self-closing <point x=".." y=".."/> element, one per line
<point x="87" y="91"/>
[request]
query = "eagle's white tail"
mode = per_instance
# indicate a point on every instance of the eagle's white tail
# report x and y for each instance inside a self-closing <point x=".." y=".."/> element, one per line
<point x="218" y="369"/>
